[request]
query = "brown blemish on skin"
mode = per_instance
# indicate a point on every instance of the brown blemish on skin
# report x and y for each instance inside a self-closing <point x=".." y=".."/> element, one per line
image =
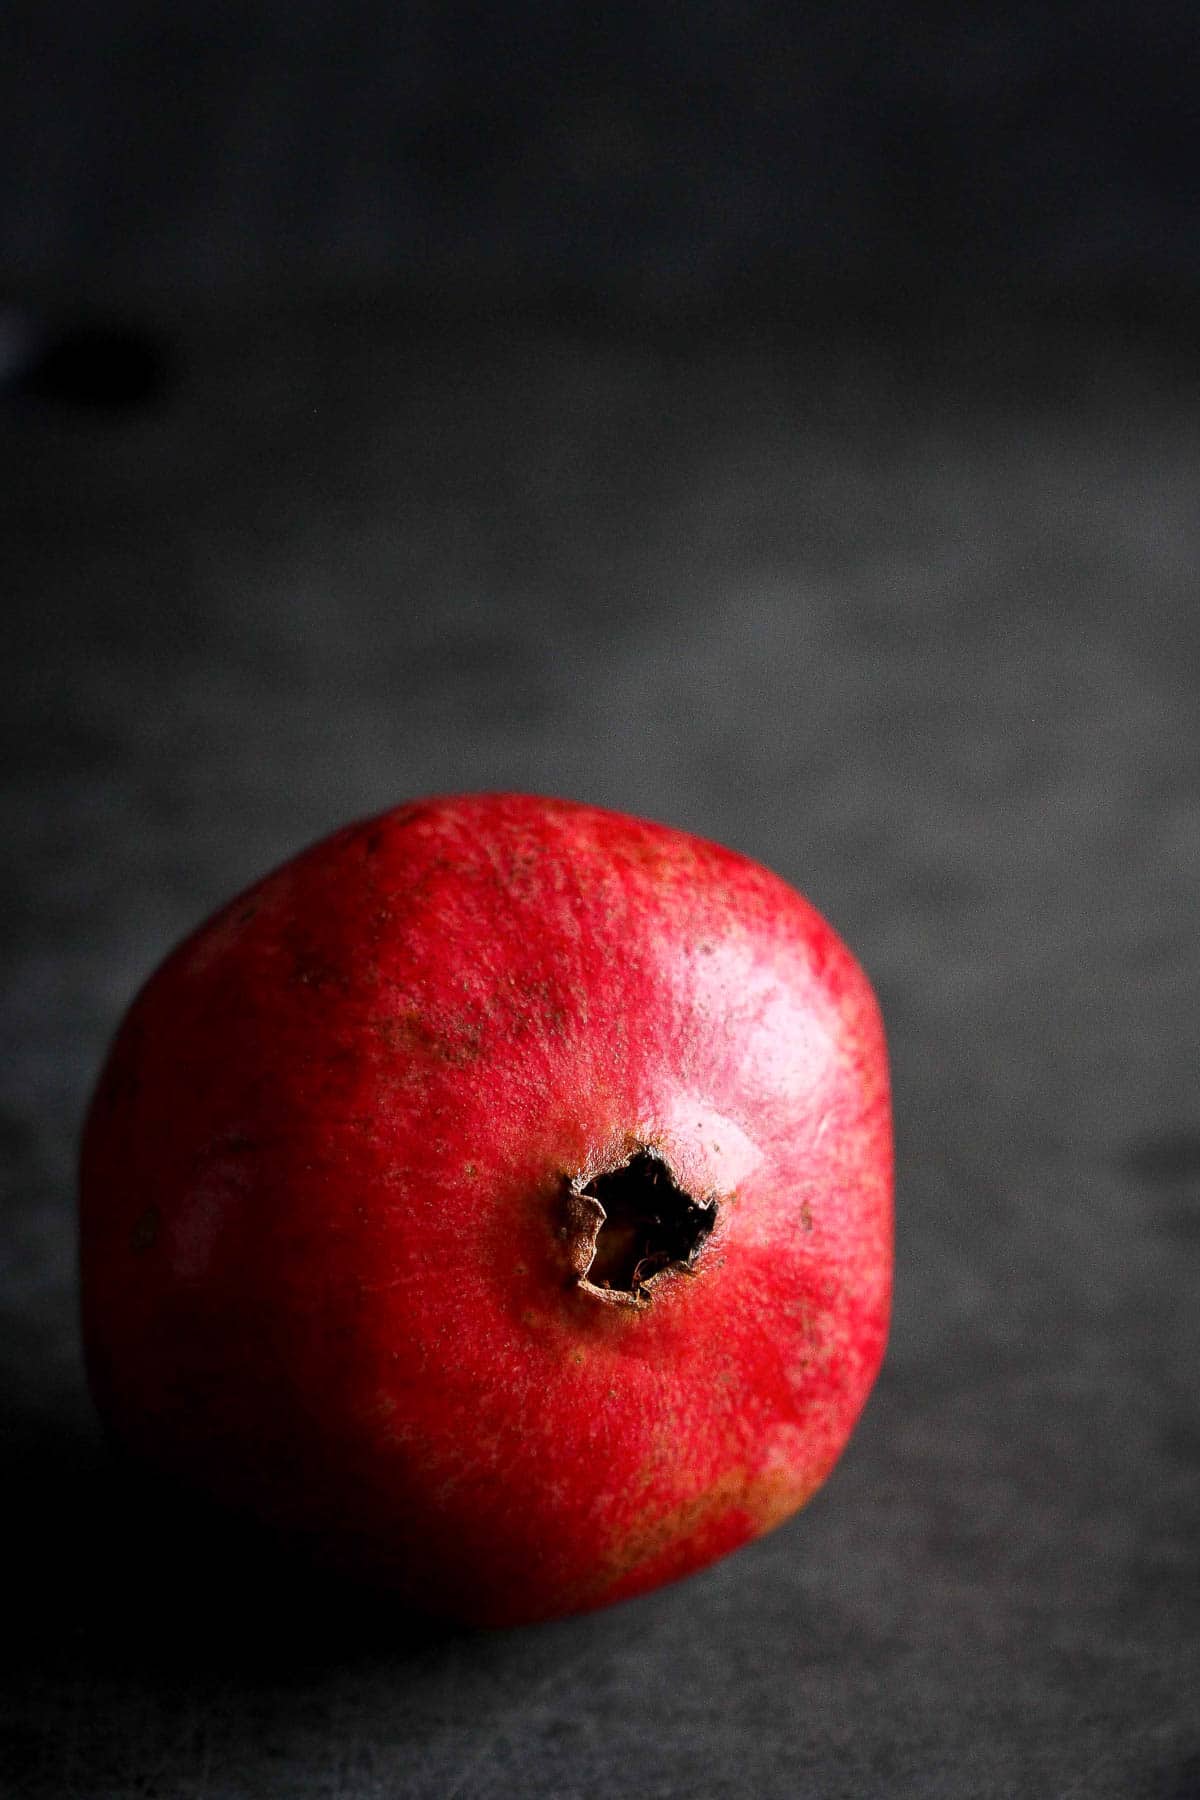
<point x="311" y="969"/>
<point x="534" y="1005"/>
<point x="763" y="1501"/>
<point x="459" y="1044"/>
<point x="646" y="853"/>
<point x="144" y="1233"/>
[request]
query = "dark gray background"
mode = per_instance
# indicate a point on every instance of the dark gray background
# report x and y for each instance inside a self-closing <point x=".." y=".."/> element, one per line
<point x="646" y="152"/>
<point x="792" y="435"/>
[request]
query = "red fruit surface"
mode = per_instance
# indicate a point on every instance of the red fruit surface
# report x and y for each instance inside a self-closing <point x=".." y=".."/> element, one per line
<point x="336" y="1251"/>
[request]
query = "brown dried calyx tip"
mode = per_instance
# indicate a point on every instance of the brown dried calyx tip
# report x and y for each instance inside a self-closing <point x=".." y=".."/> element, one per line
<point x="632" y="1226"/>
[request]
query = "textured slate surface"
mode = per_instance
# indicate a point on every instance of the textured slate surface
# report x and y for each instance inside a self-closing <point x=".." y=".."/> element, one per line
<point x="913" y="621"/>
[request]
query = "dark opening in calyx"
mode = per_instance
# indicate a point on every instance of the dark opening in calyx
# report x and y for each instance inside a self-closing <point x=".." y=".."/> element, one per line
<point x="633" y="1225"/>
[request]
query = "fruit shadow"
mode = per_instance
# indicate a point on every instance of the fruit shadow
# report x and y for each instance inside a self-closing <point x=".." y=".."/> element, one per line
<point x="111" y="1575"/>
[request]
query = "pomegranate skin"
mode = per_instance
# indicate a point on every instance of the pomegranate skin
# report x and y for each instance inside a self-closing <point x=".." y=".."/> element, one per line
<point x="340" y="1268"/>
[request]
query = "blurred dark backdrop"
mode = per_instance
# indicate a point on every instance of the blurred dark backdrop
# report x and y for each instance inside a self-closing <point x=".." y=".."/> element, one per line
<point x="647" y="155"/>
<point x="783" y="424"/>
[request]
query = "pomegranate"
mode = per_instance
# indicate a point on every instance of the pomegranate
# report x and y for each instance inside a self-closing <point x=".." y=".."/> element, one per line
<point x="496" y="1201"/>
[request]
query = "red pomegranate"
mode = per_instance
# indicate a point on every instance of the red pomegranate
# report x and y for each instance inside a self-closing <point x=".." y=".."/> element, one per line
<point x="497" y="1200"/>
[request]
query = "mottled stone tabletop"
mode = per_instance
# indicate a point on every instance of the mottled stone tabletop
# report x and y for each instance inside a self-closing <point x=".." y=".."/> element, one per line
<point x="910" y="616"/>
